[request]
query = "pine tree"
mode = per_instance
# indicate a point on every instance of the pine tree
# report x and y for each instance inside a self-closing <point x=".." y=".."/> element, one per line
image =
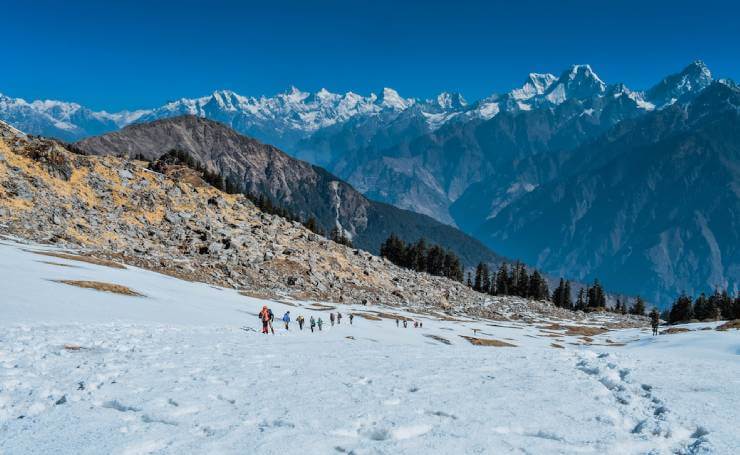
<point x="470" y="283"/>
<point x="502" y="280"/>
<point x="558" y="294"/>
<point x="638" y="307"/>
<point x="567" y="298"/>
<point x="485" y="279"/>
<point x="478" y="283"/>
<point x="312" y="225"/>
<point x="681" y="310"/>
<point x="581" y="300"/>
<point x="700" y="308"/>
<point x="712" y="309"/>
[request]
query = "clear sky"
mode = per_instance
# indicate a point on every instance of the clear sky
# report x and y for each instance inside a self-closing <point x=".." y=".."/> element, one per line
<point x="124" y="55"/>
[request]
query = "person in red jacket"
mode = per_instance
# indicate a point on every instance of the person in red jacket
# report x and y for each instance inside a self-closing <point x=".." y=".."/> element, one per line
<point x="265" y="318"/>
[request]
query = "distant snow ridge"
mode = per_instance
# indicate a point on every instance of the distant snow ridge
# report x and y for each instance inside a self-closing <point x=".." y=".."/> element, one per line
<point x="288" y="117"/>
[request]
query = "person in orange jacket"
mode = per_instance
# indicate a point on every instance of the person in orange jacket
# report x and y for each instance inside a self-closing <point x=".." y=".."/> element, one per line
<point x="265" y="318"/>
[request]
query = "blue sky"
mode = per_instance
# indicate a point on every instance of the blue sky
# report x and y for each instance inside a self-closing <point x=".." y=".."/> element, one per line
<point x="124" y="55"/>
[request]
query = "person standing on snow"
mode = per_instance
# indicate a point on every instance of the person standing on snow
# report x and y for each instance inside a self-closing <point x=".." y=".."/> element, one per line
<point x="351" y="316"/>
<point x="312" y="323"/>
<point x="339" y="318"/>
<point x="331" y="319"/>
<point x="654" y="321"/>
<point x="265" y="318"/>
<point x="272" y="318"/>
<point x="320" y="323"/>
<point x="396" y="322"/>
<point x="300" y="322"/>
<point x="405" y="324"/>
<point x="286" y="319"/>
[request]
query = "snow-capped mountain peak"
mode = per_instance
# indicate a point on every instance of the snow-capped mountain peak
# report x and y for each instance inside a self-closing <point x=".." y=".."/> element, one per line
<point x="578" y="82"/>
<point x="536" y="84"/>
<point x="691" y="80"/>
<point x="447" y="100"/>
<point x="390" y="98"/>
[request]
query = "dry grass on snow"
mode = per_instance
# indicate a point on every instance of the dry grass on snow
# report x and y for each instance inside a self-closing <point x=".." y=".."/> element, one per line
<point x="488" y="342"/>
<point x="76" y="257"/>
<point x="100" y="286"/>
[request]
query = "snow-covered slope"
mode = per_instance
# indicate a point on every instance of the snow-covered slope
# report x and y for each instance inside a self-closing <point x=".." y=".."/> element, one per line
<point x="181" y="369"/>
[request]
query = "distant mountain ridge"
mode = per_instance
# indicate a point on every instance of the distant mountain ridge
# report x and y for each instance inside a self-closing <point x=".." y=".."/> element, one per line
<point x="652" y="207"/>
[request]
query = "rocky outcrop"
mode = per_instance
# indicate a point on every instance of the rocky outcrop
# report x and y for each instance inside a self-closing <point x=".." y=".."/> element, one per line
<point x="300" y="187"/>
<point x="115" y="208"/>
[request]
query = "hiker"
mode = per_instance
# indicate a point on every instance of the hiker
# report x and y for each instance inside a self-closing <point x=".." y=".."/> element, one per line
<point x="265" y="318"/>
<point x="272" y="318"/>
<point x="331" y="319"/>
<point x="654" y="321"/>
<point x="339" y="318"/>
<point x="320" y="323"/>
<point x="351" y="316"/>
<point x="404" y="323"/>
<point x="300" y="321"/>
<point x="312" y="322"/>
<point x="396" y="322"/>
<point x="286" y="319"/>
<point x="416" y="325"/>
<point x="419" y="324"/>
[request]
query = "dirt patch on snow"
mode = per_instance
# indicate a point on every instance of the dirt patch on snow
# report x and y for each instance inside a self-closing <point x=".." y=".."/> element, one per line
<point x="368" y="316"/>
<point x="488" y="342"/>
<point x="674" y="330"/>
<point x="730" y="325"/>
<point x="88" y="259"/>
<point x="438" y="338"/>
<point x="100" y="286"/>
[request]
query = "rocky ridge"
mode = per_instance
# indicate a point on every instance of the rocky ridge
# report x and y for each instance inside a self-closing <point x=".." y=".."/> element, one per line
<point x="115" y="208"/>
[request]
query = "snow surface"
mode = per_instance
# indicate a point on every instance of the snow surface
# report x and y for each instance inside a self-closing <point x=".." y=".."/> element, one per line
<point x="174" y="372"/>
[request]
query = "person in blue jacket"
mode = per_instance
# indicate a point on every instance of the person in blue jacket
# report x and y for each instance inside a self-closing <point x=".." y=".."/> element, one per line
<point x="286" y="319"/>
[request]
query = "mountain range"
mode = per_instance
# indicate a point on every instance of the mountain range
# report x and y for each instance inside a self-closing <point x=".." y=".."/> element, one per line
<point x="557" y="145"/>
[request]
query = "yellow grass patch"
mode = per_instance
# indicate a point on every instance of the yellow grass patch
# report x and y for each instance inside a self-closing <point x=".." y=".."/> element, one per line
<point x="100" y="286"/>
<point x="673" y="330"/>
<point x="730" y="325"/>
<point x="368" y="316"/>
<point x="88" y="259"/>
<point x="488" y="342"/>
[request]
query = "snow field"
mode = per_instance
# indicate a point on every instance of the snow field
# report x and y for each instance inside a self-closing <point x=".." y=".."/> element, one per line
<point x="85" y="371"/>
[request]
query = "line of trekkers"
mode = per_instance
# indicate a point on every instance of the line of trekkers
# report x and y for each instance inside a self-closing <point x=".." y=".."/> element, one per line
<point x="267" y="317"/>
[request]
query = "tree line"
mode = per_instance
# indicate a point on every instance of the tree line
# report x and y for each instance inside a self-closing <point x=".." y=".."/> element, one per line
<point x="719" y="305"/>
<point x="593" y="298"/>
<point x="514" y="280"/>
<point x="432" y="259"/>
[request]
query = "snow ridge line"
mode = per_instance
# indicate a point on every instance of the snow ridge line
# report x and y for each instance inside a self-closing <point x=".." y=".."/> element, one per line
<point x="654" y="429"/>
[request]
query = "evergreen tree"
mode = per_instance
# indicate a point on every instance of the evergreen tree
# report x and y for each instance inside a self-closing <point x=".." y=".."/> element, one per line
<point x="485" y="279"/>
<point x="312" y="225"/>
<point x="725" y="305"/>
<point x="470" y="282"/>
<point x="502" y="280"/>
<point x="581" y="300"/>
<point x="701" y="312"/>
<point x="558" y="295"/>
<point x="478" y="283"/>
<point x="681" y="311"/>
<point x="638" y="307"/>
<point x="567" y="298"/>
